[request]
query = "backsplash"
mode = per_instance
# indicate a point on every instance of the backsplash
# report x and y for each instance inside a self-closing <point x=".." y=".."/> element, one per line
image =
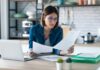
<point x="86" y="19"/>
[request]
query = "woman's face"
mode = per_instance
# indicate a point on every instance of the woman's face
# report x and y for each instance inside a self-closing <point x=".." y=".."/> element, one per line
<point x="51" y="20"/>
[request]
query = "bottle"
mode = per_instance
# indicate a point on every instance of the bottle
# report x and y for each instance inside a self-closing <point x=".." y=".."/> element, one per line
<point x="89" y="2"/>
<point x="93" y="2"/>
<point x="85" y="2"/>
<point x="81" y="2"/>
<point x="69" y="63"/>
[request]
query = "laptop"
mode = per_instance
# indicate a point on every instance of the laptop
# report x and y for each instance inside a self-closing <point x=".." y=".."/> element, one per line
<point x="12" y="50"/>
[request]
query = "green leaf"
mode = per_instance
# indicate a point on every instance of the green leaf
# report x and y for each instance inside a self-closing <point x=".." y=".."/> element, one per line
<point x="60" y="60"/>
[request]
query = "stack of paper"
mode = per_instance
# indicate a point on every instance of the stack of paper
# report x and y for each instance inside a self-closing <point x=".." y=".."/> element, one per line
<point x="52" y="57"/>
<point x="78" y="59"/>
<point x="86" y="54"/>
<point x="86" y="49"/>
<point x="89" y="55"/>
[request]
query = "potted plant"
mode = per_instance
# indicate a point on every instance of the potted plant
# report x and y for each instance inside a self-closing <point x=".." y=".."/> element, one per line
<point x="59" y="64"/>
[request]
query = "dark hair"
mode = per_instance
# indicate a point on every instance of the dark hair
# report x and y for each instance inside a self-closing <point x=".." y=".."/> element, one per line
<point x="49" y="10"/>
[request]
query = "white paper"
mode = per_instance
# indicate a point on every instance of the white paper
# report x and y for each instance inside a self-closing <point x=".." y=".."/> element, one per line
<point x="89" y="55"/>
<point x="52" y="57"/>
<point x="39" y="48"/>
<point x="68" y="42"/>
<point x="87" y="51"/>
<point x="65" y="44"/>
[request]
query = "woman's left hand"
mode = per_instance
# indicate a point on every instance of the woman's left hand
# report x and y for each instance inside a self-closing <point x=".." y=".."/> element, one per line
<point x="69" y="51"/>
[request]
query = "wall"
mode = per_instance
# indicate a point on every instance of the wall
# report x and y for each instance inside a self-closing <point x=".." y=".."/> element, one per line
<point x="86" y="19"/>
<point x="4" y="19"/>
<point x="23" y="7"/>
<point x="0" y="18"/>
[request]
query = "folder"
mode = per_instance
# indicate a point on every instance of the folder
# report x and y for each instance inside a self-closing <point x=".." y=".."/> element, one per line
<point x="82" y="59"/>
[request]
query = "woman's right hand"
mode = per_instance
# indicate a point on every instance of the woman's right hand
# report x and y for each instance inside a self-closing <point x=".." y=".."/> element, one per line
<point x="32" y="54"/>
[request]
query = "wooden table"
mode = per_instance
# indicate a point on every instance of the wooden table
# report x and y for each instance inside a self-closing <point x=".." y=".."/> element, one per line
<point x="46" y="65"/>
<point x="42" y="65"/>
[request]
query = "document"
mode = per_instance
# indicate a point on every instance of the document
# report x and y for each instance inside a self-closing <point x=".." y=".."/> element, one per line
<point x="65" y="44"/>
<point x="39" y="48"/>
<point x="88" y="55"/>
<point x="87" y="51"/>
<point x="52" y="57"/>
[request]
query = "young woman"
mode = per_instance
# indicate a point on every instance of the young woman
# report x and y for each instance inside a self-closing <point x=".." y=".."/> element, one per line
<point x="47" y="32"/>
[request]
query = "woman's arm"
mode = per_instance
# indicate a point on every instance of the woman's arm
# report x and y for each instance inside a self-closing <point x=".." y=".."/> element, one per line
<point x="59" y="37"/>
<point x="59" y="52"/>
<point x="31" y="38"/>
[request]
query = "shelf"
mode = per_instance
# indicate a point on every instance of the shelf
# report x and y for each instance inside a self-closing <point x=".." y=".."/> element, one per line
<point x="21" y="38"/>
<point x="77" y="5"/>
<point x="25" y="35"/>
<point x="12" y="9"/>
<point x="24" y="0"/>
<point x="12" y="27"/>
<point x="17" y="29"/>
<point x="18" y="19"/>
<point x="39" y="9"/>
<point x="26" y="26"/>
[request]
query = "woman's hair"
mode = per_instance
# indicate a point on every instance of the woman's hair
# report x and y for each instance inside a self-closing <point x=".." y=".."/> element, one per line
<point x="49" y="10"/>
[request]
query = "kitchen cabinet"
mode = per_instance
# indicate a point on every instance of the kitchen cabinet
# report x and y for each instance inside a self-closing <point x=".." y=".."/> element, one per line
<point x="19" y="28"/>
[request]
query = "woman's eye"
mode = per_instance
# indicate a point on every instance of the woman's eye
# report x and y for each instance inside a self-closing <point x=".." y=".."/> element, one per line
<point x="51" y="18"/>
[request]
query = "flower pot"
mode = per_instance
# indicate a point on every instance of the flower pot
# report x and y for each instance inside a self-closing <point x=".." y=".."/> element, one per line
<point x="59" y="66"/>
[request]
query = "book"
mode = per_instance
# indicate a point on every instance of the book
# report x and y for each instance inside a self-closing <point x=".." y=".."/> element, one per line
<point x="88" y="55"/>
<point x="52" y="58"/>
<point x="86" y="58"/>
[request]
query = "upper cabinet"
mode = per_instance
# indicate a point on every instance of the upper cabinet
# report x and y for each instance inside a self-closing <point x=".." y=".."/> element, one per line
<point x="22" y="15"/>
<point x="23" y="0"/>
<point x="74" y="3"/>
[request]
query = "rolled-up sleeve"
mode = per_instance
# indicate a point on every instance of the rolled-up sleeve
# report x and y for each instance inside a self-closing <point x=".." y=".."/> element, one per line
<point x="31" y="37"/>
<point x="59" y="38"/>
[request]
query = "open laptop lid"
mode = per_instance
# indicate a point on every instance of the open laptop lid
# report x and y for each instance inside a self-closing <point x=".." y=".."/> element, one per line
<point x="11" y="49"/>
